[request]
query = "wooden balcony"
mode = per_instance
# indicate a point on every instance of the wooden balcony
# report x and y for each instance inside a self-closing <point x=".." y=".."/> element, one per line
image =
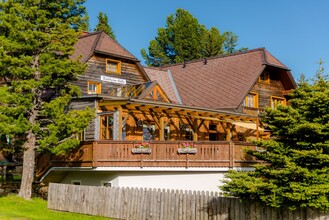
<point x="206" y="154"/>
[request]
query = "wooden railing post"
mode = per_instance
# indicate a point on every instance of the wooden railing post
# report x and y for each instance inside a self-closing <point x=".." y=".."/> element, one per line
<point x="94" y="154"/>
<point x="231" y="154"/>
<point x="141" y="160"/>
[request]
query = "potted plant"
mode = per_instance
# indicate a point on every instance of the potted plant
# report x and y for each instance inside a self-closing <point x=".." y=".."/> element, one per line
<point x="143" y="148"/>
<point x="187" y="148"/>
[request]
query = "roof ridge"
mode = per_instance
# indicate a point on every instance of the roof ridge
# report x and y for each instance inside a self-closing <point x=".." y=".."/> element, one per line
<point x="214" y="57"/>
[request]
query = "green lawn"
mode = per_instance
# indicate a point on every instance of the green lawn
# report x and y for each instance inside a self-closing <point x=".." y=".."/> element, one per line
<point x="13" y="207"/>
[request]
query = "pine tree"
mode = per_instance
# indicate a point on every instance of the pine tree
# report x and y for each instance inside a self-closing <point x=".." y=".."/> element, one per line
<point x="84" y="24"/>
<point x="184" y="39"/>
<point x="296" y="169"/>
<point x="103" y="25"/>
<point x="37" y="39"/>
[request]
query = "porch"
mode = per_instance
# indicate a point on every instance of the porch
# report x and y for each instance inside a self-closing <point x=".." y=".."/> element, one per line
<point x="155" y="154"/>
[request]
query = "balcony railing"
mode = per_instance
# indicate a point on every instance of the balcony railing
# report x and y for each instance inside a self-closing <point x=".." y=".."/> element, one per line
<point x="213" y="154"/>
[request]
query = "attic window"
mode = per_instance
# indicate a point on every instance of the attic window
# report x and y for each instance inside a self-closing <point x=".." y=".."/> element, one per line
<point x="264" y="77"/>
<point x="113" y="66"/>
<point x="251" y="100"/>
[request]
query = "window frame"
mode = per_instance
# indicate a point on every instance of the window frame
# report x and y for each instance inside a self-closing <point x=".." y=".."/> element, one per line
<point x="246" y="100"/>
<point x="106" y="132"/>
<point x="272" y="98"/>
<point x="76" y="182"/>
<point x="117" y="62"/>
<point x="267" y="78"/>
<point x="98" y="87"/>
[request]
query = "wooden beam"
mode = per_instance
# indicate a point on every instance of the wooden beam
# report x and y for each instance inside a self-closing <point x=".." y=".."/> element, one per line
<point x="161" y="128"/>
<point x="195" y="129"/>
<point x="112" y="103"/>
<point x="120" y="123"/>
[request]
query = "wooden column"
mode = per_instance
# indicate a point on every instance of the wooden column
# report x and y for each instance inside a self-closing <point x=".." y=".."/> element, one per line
<point x="119" y="123"/>
<point x="228" y="131"/>
<point x="195" y="129"/>
<point x="162" y="127"/>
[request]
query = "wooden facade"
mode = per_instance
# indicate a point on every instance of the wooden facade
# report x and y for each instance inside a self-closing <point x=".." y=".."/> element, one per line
<point x="131" y="111"/>
<point x="267" y="89"/>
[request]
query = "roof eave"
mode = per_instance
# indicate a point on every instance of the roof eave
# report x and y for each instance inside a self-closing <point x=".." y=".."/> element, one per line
<point x="276" y="66"/>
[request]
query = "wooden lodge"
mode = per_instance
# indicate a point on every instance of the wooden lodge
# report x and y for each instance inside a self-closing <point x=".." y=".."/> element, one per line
<point x="180" y="126"/>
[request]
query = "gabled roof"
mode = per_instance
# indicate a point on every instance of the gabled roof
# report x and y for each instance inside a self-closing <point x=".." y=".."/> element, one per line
<point x="99" y="42"/>
<point x="219" y="82"/>
<point x="166" y="82"/>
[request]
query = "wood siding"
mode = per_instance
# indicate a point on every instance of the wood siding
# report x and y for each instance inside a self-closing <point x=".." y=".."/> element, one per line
<point x="265" y="90"/>
<point x="96" y="68"/>
<point x="89" y="132"/>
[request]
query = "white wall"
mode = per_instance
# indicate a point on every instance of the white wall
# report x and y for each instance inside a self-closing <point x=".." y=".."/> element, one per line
<point x="202" y="181"/>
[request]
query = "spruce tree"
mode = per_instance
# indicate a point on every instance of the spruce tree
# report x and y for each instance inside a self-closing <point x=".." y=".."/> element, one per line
<point x="184" y="39"/>
<point x="36" y="41"/>
<point x="103" y="25"/>
<point x="295" y="172"/>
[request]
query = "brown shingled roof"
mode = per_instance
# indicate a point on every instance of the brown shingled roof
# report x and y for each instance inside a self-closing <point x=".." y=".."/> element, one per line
<point x="99" y="42"/>
<point x="220" y="82"/>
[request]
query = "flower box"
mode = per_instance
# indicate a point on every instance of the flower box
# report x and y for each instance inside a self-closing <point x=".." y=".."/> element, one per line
<point x="187" y="150"/>
<point x="141" y="150"/>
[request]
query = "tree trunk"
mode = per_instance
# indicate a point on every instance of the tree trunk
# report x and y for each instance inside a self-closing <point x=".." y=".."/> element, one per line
<point x="30" y="144"/>
<point x="28" y="168"/>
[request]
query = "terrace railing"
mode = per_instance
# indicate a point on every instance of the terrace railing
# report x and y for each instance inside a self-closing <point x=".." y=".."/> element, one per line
<point x="151" y="154"/>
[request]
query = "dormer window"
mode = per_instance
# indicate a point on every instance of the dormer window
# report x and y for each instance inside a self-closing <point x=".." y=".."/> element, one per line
<point x="113" y="66"/>
<point x="264" y="77"/>
<point x="251" y="100"/>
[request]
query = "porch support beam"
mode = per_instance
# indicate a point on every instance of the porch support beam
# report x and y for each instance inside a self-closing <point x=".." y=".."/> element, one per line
<point x="120" y="123"/>
<point x="162" y="127"/>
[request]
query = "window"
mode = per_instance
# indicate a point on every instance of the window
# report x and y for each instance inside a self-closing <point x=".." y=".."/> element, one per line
<point x="107" y="127"/>
<point x="81" y="135"/>
<point x="213" y="134"/>
<point x="167" y="133"/>
<point x="76" y="182"/>
<point x="276" y="101"/>
<point x="264" y="77"/>
<point x="148" y="132"/>
<point x="251" y="100"/>
<point x="113" y="66"/>
<point x="186" y="132"/>
<point x="106" y="184"/>
<point x="94" y="88"/>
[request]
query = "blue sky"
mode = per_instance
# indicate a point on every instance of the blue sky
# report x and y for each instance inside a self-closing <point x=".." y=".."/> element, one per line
<point x="295" y="31"/>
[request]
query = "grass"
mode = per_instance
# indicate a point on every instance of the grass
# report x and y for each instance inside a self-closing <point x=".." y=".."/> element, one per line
<point x="13" y="207"/>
